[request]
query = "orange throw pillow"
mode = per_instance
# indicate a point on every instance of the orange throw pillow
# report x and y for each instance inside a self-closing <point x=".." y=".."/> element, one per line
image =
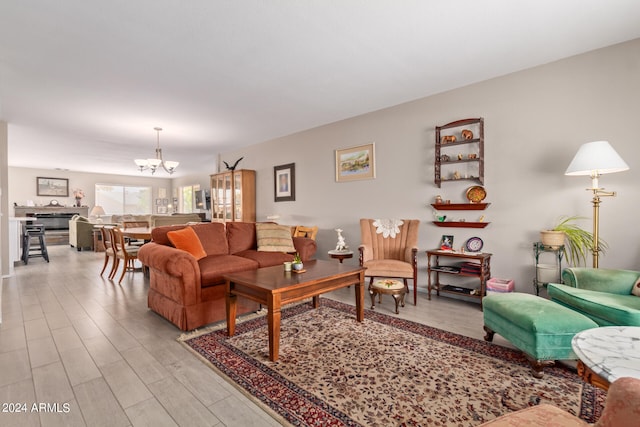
<point x="187" y="240"/>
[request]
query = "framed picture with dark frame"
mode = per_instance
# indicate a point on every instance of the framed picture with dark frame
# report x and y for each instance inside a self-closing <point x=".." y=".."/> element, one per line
<point x="58" y="187"/>
<point x="284" y="182"/>
<point x="446" y="243"/>
<point x="356" y="163"/>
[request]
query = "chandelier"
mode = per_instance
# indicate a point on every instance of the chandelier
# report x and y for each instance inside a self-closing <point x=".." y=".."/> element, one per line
<point x="153" y="164"/>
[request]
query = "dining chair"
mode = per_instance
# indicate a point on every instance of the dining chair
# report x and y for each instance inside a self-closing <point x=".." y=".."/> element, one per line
<point x="109" y="253"/>
<point x="302" y="231"/>
<point x="127" y="253"/>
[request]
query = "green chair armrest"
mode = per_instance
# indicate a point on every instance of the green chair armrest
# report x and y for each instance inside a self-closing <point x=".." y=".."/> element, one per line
<point x="613" y="281"/>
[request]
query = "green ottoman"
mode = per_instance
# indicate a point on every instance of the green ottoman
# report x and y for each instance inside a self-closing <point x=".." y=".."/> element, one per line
<point x="542" y="329"/>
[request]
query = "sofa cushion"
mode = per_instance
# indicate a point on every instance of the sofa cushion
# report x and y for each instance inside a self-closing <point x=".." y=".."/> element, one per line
<point x="213" y="267"/>
<point x="274" y="238"/>
<point x="266" y="259"/>
<point x="187" y="240"/>
<point x="213" y="237"/>
<point x="159" y="234"/>
<point x="241" y="236"/>
<point x="605" y="308"/>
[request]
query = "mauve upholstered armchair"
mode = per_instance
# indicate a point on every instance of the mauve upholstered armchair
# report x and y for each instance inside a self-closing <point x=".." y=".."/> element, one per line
<point x="621" y="408"/>
<point x="388" y="254"/>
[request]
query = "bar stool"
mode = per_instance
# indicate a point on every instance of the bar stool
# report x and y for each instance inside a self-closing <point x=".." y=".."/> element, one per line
<point x="33" y="244"/>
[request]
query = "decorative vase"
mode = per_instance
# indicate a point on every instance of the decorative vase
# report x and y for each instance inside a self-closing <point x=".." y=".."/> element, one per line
<point x="297" y="266"/>
<point x="78" y="202"/>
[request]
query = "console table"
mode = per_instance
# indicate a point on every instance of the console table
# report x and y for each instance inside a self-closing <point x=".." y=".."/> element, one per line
<point x="607" y="353"/>
<point x="478" y="265"/>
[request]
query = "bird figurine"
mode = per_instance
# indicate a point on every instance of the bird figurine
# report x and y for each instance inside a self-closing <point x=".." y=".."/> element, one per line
<point x="232" y="168"/>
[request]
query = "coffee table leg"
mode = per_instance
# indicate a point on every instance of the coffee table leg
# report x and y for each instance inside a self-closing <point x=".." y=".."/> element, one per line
<point x="231" y="303"/>
<point x="273" y="322"/>
<point x="360" y="298"/>
<point x="316" y="301"/>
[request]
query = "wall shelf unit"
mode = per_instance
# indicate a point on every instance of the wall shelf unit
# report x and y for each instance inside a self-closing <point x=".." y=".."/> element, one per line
<point x="445" y="157"/>
<point x="460" y="206"/>
<point x="461" y="224"/>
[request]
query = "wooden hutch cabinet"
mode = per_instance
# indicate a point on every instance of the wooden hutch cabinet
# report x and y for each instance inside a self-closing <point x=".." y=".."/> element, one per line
<point x="233" y="196"/>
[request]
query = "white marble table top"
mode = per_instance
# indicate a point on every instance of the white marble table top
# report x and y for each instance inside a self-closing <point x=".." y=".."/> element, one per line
<point x="611" y="352"/>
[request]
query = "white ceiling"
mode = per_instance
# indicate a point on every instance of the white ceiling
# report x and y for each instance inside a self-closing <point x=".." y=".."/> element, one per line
<point x="84" y="82"/>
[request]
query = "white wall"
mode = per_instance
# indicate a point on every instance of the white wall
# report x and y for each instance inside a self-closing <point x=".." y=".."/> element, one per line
<point x="535" y="120"/>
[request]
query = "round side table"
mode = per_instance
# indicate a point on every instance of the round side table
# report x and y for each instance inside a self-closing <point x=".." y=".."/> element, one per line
<point x="340" y="255"/>
<point x="607" y="353"/>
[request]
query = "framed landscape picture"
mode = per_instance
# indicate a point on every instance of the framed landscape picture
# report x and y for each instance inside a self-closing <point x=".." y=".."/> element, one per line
<point x="356" y="163"/>
<point x="284" y="182"/>
<point x="58" y="187"/>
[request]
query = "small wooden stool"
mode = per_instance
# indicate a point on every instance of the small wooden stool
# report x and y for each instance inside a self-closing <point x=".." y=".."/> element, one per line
<point x="393" y="287"/>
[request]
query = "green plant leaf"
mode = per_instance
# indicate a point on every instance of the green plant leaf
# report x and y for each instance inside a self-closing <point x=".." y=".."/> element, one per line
<point x="578" y="242"/>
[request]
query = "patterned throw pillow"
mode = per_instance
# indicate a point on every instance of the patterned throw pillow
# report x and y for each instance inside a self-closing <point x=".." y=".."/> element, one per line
<point x="187" y="240"/>
<point x="636" y="288"/>
<point x="274" y="238"/>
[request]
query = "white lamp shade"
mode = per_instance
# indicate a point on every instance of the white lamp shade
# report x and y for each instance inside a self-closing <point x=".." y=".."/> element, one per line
<point x="141" y="162"/>
<point x="171" y="165"/>
<point x="596" y="158"/>
<point x="97" y="211"/>
<point x="154" y="163"/>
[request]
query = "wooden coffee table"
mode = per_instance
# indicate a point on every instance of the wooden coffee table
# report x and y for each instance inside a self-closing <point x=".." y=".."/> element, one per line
<point x="273" y="287"/>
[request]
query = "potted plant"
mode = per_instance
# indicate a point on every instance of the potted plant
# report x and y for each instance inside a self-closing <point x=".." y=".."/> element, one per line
<point x="577" y="241"/>
<point x="297" y="262"/>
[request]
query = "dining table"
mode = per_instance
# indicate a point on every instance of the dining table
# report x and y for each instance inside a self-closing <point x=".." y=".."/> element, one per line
<point x="140" y="233"/>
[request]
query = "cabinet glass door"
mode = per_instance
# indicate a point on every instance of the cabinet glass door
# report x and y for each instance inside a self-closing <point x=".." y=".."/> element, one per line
<point x="237" y="188"/>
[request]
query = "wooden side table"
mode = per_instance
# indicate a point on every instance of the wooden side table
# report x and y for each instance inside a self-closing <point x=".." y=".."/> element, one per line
<point x="340" y="255"/>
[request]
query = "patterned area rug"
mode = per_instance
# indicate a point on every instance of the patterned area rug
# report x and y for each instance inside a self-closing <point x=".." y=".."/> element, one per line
<point x="334" y="371"/>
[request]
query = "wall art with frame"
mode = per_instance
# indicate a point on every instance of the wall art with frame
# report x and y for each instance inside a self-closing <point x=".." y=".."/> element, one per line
<point x="58" y="187"/>
<point x="284" y="182"/>
<point x="356" y="163"/>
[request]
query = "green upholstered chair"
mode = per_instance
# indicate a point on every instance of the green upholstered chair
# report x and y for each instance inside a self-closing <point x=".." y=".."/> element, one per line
<point x="603" y="295"/>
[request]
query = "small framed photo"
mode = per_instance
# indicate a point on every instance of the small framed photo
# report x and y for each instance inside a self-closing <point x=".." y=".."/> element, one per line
<point x="356" y="163"/>
<point x="52" y="187"/>
<point x="284" y="182"/>
<point x="158" y="202"/>
<point x="161" y="209"/>
<point x="446" y="244"/>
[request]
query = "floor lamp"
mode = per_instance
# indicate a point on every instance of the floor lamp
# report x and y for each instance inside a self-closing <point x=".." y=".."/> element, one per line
<point x="595" y="159"/>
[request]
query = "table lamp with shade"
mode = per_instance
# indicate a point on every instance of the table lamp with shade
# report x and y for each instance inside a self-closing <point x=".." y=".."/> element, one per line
<point x="96" y="213"/>
<point x="595" y="159"/>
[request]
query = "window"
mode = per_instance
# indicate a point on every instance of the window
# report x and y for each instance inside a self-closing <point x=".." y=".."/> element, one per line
<point x="122" y="199"/>
<point x="187" y="199"/>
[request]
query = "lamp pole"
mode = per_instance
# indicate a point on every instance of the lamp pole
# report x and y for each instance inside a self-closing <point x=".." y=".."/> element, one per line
<point x="597" y="193"/>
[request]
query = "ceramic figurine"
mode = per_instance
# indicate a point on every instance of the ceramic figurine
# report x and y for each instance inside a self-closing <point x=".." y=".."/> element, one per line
<point x="341" y="245"/>
<point x="467" y="134"/>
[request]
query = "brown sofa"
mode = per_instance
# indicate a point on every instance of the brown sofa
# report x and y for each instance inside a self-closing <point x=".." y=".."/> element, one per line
<point x="191" y="293"/>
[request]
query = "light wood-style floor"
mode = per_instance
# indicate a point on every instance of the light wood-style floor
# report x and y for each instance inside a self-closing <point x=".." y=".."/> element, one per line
<point x="72" y="338"/>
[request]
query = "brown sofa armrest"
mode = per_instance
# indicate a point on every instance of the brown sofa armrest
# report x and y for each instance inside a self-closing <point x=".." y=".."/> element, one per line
<point x="306" y="247"/>
<point x="174" y="273"/>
